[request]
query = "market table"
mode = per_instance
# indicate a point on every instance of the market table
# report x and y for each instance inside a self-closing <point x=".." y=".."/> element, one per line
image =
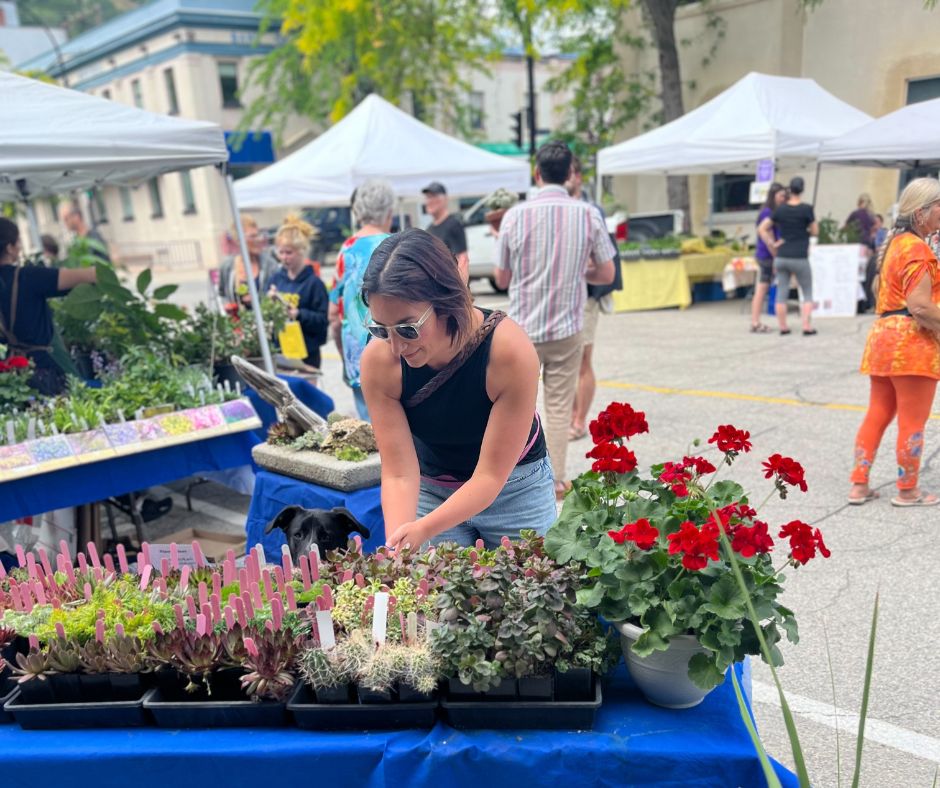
<point x="80" y="484"/>
<point x="273" y="492"/>
<point x="662" y="284"/>
<point x="633" y="743"/>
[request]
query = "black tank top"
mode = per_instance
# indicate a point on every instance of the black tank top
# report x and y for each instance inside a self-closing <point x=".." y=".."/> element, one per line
<point x="448" y="426"/>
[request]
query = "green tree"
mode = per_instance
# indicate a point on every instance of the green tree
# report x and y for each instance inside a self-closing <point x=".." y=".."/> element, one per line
<point x="333" y="53"/>
<point x="76" y="16"/>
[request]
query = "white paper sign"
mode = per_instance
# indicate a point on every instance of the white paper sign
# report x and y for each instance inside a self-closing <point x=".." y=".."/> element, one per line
<point x="380" y="617"/>
<point x="325" y="628"/>
<point x="836" y="269"/>
<point x="184" y="553"/>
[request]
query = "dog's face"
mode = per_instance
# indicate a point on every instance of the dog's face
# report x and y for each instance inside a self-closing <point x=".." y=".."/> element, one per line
<point x="328" y="529"/>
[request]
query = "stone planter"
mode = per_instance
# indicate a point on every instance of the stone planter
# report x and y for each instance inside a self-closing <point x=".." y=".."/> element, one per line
<point x="663" y="676"/>
<point x="319" y="468"/>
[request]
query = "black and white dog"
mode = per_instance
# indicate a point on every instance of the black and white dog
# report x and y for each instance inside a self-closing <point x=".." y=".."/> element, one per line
<point x="328" y="529"/>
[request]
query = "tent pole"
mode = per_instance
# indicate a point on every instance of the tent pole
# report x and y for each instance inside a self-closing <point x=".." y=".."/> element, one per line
<point x="252" y="288"/>
<point x="816" y="183"/>
<point x="30" y="215"/>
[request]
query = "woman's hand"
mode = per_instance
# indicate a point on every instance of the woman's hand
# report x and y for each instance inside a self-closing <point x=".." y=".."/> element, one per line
<point x="413" y="534"/>
<point x="292" y="312"/>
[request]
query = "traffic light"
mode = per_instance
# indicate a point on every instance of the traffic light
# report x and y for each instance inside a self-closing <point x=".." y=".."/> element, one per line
<point x="517" y="128"/>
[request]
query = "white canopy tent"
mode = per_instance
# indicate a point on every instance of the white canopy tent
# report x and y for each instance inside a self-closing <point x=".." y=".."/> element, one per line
<point x="55" y="140"/>
<point x="759" y="117"/>
<point x="905" y="138"/>
<point x="378" y="140"/>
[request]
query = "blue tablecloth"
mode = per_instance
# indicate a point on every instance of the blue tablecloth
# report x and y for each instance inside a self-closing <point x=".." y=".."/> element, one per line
<point x="315" y="399"/>
<point x="96" y="481"/>
<point x="633" y="743"/>
<point x="273" y="492"/>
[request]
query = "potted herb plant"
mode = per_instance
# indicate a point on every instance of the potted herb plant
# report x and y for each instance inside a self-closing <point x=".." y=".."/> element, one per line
<point x="497" y="204"/>
<point x="654" y="557"/>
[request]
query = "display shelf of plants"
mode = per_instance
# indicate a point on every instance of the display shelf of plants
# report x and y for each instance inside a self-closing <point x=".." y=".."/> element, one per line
<point x="143" y="374"/>
<point x="352" y="641"/>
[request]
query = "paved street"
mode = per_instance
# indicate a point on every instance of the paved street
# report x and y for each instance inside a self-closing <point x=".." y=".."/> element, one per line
<point x="802" y="397"/>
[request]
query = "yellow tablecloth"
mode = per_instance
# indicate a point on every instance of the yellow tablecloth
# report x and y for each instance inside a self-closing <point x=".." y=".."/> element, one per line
<point x="661" y="284"/>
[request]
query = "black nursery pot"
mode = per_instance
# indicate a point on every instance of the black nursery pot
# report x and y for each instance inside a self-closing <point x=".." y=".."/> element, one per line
<point x="407" y="694"/>
<point x="457" y="690"/>
<point x="340" y="694"/>
<point x="575" y="684"/>
<point x="507" y="689"/>
<point x="36" y="691"/>
<point x="67" y="687"/>
<point x="96" y="687"/>
<point x="367" y="695"/>
<point x="125" y="686"/>
<point x="535" y="688"/>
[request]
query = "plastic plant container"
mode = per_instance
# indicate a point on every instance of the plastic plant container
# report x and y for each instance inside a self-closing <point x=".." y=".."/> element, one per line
<point x="105" y="714"/>
<point x="173" y="709"/>
<point x="310" y="715"/>
<point x="548" y="715"/>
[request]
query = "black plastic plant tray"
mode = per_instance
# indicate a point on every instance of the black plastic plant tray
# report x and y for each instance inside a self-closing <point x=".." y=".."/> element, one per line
<point x="172" y="712"/>
<point x="50" y="716"/>
<point x="8" y="688"/>
<point x="358" y="716"/>
<point x="549" y="715"/>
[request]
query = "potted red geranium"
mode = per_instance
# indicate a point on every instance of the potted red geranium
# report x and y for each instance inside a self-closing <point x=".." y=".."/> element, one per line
<point x="656" y="557"/>
<point x="15" y="372"/>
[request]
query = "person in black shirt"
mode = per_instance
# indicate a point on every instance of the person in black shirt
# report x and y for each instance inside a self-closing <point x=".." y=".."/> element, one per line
<point x="25" y="318"/>
<point x="795" y="223"/>
<point x="447" y="226"/>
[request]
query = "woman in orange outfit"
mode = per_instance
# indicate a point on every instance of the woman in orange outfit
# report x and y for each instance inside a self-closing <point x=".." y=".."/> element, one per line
<point x="902" y="354"/>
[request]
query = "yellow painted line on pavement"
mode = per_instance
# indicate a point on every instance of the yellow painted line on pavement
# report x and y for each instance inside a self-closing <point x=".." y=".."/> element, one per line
<point x="733" y="395"/>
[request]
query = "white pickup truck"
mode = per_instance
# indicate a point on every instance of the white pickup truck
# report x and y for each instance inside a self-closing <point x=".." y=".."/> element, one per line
<point x="482" y="247"/>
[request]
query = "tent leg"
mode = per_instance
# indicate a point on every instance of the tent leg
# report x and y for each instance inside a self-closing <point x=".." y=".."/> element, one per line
<point x="816" y="183"/>
<point x="252" y="288"/>
<point x="33" y="226"/>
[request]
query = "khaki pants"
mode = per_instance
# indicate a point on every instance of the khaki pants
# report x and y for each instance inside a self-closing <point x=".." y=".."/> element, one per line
<point x="561" y="362"/>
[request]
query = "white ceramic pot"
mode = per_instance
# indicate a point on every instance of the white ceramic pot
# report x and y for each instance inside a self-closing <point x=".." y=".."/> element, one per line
<point x="663" y="676"/>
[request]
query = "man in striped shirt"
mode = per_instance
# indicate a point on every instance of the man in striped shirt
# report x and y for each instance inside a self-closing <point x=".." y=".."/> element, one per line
<point x="549" y="246"/>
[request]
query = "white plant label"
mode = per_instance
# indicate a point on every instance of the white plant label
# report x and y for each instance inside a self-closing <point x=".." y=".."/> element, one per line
<point x="380" y="617"/>
<point x="325" y="628"/>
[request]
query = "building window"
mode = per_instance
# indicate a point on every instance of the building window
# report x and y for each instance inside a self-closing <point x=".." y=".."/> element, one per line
<point x="920" y="90"/>
<point x="127" y="204"/>
<point x="477" y="113"/>
<point x="106" y="94"/>
<point x="173" y="106"/>
<point x="100" y="208"/>
<point x="156" y="204"/>
<point x="228" y="81"/>
<point x="137" y="94"/>
<point x="189" y="197"/>
<point x="731" y="193"/>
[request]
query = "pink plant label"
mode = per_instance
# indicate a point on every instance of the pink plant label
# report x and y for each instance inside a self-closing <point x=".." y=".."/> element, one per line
<point x="157" y="628"/>
<point x="229" y="617"/>
<point x="249" y="608"/>
<point x="175" y="555"/>
<point x="44" y="560"/>
<point x="109" y="564"/>
<point x="119" y="630"/>
<point x="87" y="591"/>
<point x="279" y="577"/>
<point x="197" y="554"/>
<point x="93" y="555"/>
<point x="64" y="551"/>
<point x="277" y="612"/>
<point x="59" y="630"/>
<point x="122" y="559"/>
<point x="145" y="576"/>
<point x="178" y="612"/>
<point x="145" y="551"/>
<point x="184" y="578"/>
<point x="216" y="606"/>
<point x="33" y="643"/>
<point x="291" y="599"/>
<point x="268" y="589"/>
<point x="305" y="572"/>
<point x="200" y="625"/>
<point x="191" y="608"/>
<point x="164" y="566"/>
<point x="241" y="612"/>
<point x="203" y="594"/>
<point x="206" y="612"/>
<point x="325" y="600"/>
<point x="286" y="564"/>
<point x="39" y="592"/>
<point x="82" y="564"/>
<point x="217" y="585"/>
<point x="20" y="556"/>
<point x="250" y="647"/>
<point x="99" y="630"/>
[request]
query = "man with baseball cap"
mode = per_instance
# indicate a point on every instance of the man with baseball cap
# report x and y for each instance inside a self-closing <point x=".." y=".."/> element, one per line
<point x="446" y="226"/>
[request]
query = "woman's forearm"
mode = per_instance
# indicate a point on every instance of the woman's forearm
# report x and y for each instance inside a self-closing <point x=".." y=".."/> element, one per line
<point x="399" y="500"/>
<point x="472" y="498"/>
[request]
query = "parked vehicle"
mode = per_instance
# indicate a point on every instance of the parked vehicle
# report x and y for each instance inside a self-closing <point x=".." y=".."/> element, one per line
<point x="644" y="226"/>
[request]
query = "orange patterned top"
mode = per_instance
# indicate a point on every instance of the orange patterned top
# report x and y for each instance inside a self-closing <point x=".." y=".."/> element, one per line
<point x="897" y="345"/>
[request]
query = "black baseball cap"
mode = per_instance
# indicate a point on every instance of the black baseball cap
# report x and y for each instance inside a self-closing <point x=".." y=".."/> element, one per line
<point x="434" y="187"/>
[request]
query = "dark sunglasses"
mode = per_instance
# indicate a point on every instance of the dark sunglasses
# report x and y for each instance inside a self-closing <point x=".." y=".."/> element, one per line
<point x="407" y="331"/>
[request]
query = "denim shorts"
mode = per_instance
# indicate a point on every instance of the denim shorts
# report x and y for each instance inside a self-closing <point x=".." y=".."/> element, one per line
<point x="527" y="501"/>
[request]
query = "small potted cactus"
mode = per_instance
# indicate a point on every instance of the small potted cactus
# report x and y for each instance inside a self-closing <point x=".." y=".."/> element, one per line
<point x="498" y="203"/>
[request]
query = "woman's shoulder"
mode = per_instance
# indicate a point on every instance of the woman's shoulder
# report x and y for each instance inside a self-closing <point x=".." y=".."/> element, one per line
<point x="510" y="343"/>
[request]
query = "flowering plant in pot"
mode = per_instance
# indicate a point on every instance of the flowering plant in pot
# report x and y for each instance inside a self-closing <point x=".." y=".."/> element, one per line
<point x="655" y="554"/>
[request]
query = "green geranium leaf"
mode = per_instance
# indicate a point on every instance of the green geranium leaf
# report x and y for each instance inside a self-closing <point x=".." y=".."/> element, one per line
<point x="143" y="281"/>
<point x="729" y="634"/>
<point x="591" y="597"/>
<point x="639" y="604"/>
<point x="660" y="622"/>
<point x="647" y="643"/>
<point x="165" y="291"/>
<point x="704" y="673"/>
<point x="725" y="599"/>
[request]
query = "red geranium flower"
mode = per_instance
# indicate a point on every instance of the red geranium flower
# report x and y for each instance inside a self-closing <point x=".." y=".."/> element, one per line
<point x="700" y="464"/>
<point x="787" y="471"/>
<point x="804" y="541"/>
<point x="748" y="541"/>
<point x="640" y="532"/>
<point x="696" y="545"/>
<point x="17" y="362"/>
<point x="731" y="440"/>
<point x="617" y="420"/>
<point x="676" y="476"/>
<point x="611" y="457"/>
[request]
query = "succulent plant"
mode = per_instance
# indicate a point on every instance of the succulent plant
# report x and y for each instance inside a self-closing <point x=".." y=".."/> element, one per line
<point x="125" y="654"/>
<point x="33" y="666"/>
<point x="271" y="656"/>
<point x="94" y="657"/>
<point x="64" y="656"/>
<point x="280" y="434"/>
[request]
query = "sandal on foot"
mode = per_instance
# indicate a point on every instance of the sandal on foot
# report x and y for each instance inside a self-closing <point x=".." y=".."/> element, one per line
<point x="785" y="331"/>
<point x="760" y="328"/>
<point x="576" y="435"/>
<point x="872" y="495"/>
<point x="924" y="499"/>
<point x="812" y="332"/>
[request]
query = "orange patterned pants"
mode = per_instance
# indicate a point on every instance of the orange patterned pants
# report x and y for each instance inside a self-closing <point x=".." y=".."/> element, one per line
<point x="910" y="398"/>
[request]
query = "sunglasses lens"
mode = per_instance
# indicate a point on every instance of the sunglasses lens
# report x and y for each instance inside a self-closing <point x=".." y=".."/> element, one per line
<point x="379" y="332"/>
<point x="407" y="332"/>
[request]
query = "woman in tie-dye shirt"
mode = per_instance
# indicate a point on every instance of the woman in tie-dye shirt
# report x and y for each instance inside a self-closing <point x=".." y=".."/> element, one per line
<point x="372" y="210"/>
<point x="902" y="354"/>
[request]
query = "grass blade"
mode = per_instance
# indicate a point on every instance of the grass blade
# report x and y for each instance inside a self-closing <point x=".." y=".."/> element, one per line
<point x="835" y="706"/>
<point x="769" y="774"/>
<point x="869" y="666"/>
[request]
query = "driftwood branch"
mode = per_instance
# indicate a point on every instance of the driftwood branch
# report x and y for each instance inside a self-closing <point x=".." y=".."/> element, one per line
<point x="291" y="411"/>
